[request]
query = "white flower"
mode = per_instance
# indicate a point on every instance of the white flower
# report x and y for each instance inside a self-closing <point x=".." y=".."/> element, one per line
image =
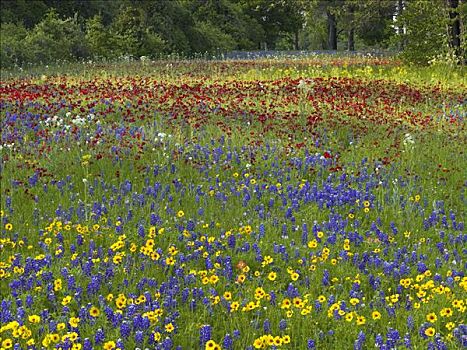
<point x="408" y="140"/>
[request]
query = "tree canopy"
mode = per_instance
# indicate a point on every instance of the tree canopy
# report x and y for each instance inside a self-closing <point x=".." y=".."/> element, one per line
<point x="41" y="31"/>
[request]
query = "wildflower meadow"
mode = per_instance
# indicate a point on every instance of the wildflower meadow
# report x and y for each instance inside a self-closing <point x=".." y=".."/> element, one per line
<point x="313" y="202"/>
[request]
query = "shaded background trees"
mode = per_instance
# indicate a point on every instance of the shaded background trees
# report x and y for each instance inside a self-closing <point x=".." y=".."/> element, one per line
<point x="43" y="31"/>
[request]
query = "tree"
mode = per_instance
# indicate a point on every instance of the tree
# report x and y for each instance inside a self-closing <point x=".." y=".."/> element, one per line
<point x="134" y="35"/>
<point x="332" y="30"/>
<point x="425" y="35"/>
<point x="454" y="27"/>
<point x="27" y="13"/>
<point x="14" y="48"/>
<point x="54" y="39"/>
<point x="100" y="42"/>
<point x="277" y="18"/>
<point x="229" y="17"/>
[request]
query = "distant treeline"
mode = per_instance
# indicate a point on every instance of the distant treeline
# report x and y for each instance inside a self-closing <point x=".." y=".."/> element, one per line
<point x="44" y="31"/>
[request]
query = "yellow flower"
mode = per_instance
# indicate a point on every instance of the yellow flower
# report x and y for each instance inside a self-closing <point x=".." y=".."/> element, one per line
<point x="361" y="320"/>
<point x="7" y="343"/>
<point x="9" y="227"/>
<point x="431" y="317"/>
<point x="169" y="327"/>
<point x="180" y="213"/>
<point x="272" y="276"/>
<point x="258" y="343"/>
<point x="157" y="336"/>
<point x="66" y="300"/>
<point x="429" y="332"/>
<point x="294" y="276"/>
<point x="286" y="303"/>
<point x="72" y="336"/>
<point x="54" y="337"/>
<point x="34" y="319"/>
<point x="212" y="345"/>
<point x="57" y="285"/>
<point x="234" y="306"/>
<point x="74" y="321"/>
<point x="170" y="261"/>
<point x="109" y="345"/>
<point x="375" y="315"/>
<point x="446" y="312"/>
<point x="94" y="311"/>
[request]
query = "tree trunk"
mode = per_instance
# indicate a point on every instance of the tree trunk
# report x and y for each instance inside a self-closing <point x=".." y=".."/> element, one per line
<point x="455" y="27"/>
<point x="332" y="31"/>
<point x="351" y="32"/>
<point x="400" y="27"/>
<point x="296" y="40"/>
<point x="351" y="41"/>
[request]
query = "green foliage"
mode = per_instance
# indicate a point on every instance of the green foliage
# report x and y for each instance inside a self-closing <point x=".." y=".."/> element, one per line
<point x="44" y="31"/>
<point x="315" y="34"/>
<point x="134" y="36"/>
<point x="213" y="39"/>
<point x="426" y="36"/>
<point x="14" y="50"/>
<point x="24" y="12"/>
<point x="174" y="23"/>
<point x="99" y="38"/>
<point x="55" y="39"/>
<point x="276" y="17"/>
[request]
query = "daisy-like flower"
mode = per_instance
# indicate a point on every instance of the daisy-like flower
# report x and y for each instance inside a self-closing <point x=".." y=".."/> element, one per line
<point x="94" y="311"/>
<point x="431" y="317"/>
<point x="430" y="331"/>
<point x="272" y="276"/>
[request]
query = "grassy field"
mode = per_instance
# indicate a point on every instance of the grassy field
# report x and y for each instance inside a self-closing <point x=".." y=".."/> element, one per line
<point x="307" y="203"/>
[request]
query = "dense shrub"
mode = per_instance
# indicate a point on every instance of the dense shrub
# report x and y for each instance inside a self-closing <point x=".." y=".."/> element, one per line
<point x="425" y="23"/>
<point x="55" y="39"/>
<point x="14" y="50"/>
